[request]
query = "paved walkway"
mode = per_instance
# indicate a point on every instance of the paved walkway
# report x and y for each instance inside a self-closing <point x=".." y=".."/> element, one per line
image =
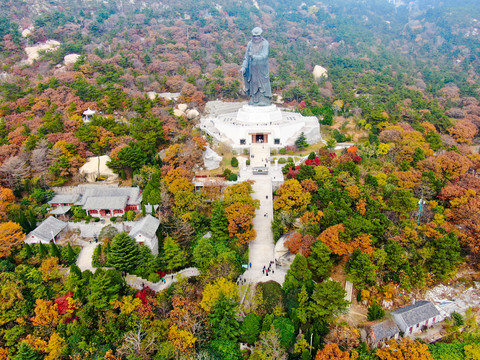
<point x="84" y="260"/>
<point x="261" y="250"/>
<point x="139" y="283"/>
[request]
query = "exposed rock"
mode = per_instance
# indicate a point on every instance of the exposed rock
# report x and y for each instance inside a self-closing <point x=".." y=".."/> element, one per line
<point x="70" y="59"/>
<point x="27" y="32"/>
<point x="178" y="112"/>
<point x="92" y="170"/>
<point x="192" y="114"/>
<point x="182" y="107"/>
<point x="169" y="96"/>
<point x="33" y="51"/>
<point x="211" y="159"/>
<point x="319" y="72"/>
<point x="152" y="95"/>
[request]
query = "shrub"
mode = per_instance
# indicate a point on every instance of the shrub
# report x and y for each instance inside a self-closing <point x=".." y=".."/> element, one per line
<point x="234" y="162"/>
<point x="248" y="162"/>
<point x="458" y="319"/>
<point x="233" y="177"/>
<point x="154" y="277"/>
<point x="282" y="151"/>
<point x="375" y="312"/>
<point x="113" y="219"/>
<point x="282" y="161"/>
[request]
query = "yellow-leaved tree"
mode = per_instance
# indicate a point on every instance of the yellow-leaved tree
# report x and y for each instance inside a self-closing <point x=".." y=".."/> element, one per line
<point x="212" y="293"/>
<point x="406" y="349"/>
<point x="11" y="237"/>
<point x="292" y="197"/>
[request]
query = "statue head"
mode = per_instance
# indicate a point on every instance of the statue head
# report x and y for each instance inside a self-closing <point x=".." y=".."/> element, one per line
<point x="257" y="34"/>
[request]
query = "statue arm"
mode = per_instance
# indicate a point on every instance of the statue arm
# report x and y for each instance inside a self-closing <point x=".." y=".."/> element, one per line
<point x="245" y="60"/>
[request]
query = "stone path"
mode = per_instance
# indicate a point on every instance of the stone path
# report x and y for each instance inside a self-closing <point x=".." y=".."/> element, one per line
<point x="261" y="250"/>
<point x="84" y="260"/>
<point x="139" y="283"/>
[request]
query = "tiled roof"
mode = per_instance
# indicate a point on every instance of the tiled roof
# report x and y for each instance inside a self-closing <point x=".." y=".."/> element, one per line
<point x="416" y="313"/>
<point x="105" y="202"/>
<point x="64" y="199"/>
<point x="60" y="210"/>
<point x="384" y="330"/>
<point x="132" y="193"/>
<point x="48" y="229"/>
<point x="147" y="227"/>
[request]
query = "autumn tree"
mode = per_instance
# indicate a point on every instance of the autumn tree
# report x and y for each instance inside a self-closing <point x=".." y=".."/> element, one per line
<point x="269" y="347"/>
<point x="406" y="349"/>
<point x="11" y="238"/>
<point x="6" y="199"/>
<point x="332" y="352"/>
<point x="292" y="197"/>
<point x="240" y="221"/>
<point x="213" y="292"/>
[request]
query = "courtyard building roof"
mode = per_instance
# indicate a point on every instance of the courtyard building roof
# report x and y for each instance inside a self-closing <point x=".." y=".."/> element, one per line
<point x="105" y="202"/>
<point x="416" y="313"/>
<point x="147" y="227"/>
<point x="48" y="229"/>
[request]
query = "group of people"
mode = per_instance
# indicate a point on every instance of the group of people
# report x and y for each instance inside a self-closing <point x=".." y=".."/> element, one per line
<point x="270" y="269"/>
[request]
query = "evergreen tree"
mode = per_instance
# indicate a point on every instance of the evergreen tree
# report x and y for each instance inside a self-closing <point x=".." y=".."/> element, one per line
<point x="42" y="250"/>
<point x="298" y="275"/>
<point x="25" y="352"/>
<point x="319" y="260"/>
<point x="219" y="227"/>
<point x="71" y="256"/>
<point x="360" y="269"/>
<point x="203" y="253"/>
<point x="301" y="142"/>
<point x="124" y="253"/>
<point x="222" y="319"/>
<point x="328" y="301"/>
<point x="55" y="251"/>
<point x="250" y="328"/>
<point x="173" y="256"/>
<point x="105" y="287"/>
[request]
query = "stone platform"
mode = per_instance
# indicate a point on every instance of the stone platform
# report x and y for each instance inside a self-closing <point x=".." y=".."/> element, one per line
<point x="240" y="127"/>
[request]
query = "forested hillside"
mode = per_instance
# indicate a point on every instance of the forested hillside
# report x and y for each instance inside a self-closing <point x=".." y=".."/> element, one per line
<point x="403" y="86"/>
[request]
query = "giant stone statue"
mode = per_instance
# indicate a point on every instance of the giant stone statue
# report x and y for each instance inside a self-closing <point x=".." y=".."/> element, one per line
<point x="255" y="70"/>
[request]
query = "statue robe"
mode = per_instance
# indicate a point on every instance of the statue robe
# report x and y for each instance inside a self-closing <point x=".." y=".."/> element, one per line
<point x="255" y="63"/>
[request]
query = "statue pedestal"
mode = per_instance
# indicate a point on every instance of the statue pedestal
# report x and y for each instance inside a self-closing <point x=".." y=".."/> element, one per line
<point x="260" y="124"/>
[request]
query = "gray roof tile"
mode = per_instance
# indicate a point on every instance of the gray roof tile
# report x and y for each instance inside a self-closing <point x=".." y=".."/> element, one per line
<point x="105" y="202"/>
<point x="416" y="313"/>
<point x="50" y="227"/>
<point x="384" y="330"/>
<point x="147" y="227"/>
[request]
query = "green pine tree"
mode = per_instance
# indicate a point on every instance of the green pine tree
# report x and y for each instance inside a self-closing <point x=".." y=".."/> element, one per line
<point x="55" y="251"/>
<point x="173" y="256"/>
<point x="251" y="328"/>
<point x="42" y="250"/>
<point x="298" y="275"/>
<point x="25" y="352"/>
<point x="71" y="256"/>
<point x="105" y="287"/>
<point x="301" y="142"/>
<point x="203" y="253"/>
<point x="219" y="227"/>
<point x="124" y="253"/>
<point x="222" y="319"/>
<point x="319" y="260"/>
